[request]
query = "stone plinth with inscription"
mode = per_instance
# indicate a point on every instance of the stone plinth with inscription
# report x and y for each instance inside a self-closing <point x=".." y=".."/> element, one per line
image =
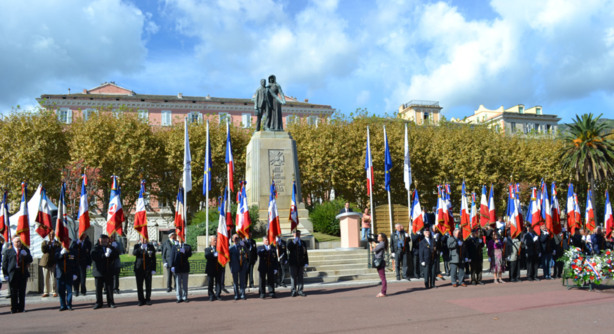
<point x="271" y="155"/>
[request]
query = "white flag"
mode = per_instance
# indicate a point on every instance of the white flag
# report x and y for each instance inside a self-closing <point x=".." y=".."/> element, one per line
<point x="187" y="161"/>
<point x="406" y="163"/>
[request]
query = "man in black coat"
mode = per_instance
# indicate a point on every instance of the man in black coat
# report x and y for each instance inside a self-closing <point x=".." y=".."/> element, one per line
<point x="83" y="259"/>
<point x="181" y="268"/>
<point x="298" y="261"/>
<point x="213" y="270"/>
<point x="546" y="243"/>
<point x="400" y="251"/>
<point x="267" y="267"/>
<point x="15" y="262"/>
<point x="428" y="251"/>
<point x="167" y="260"/>
<point x="282" y="257"/>
<point x="65" y="274"/>
<point x="475" y="252"/>
<point x="144" y="268"/>
<point x="103" y="258"/>
<point x="253" y="256"/>
<point x="416" y="238"/>
<point x="561" y="245"/>
<point x="532" y="253"/>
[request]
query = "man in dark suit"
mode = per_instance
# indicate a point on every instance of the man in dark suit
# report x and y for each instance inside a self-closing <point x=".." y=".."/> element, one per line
<point x="103" y="258"/>
<point x="213" y="270"/>
<point x="598" y="241"/>
<point x="267" y="267"/>
<point x="65" y="274"/>
<point x="400" y="251"/>
<point x="298" y="261"/>
<point x="282" y="257"/>
<point x="15" y="264"/>
<point x="532" y="252"/>
<point x="428" y="249"/>
<point x="561" y="245"/>
<point x="144" y="268"/>
<point x="253" y="257"/>
<point x="167" y="260"/>
<point x="82" y="250"/>
<point x="546" y="243"/>
<point x="239" y="265"/>
<point x="475" y="252"/>
<point x="346" y="208"/>
<point x="416" y="238"/>
<point x="180" y="266"/>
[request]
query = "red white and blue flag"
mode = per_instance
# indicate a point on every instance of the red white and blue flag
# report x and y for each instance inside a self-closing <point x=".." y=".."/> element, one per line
<point x="293" y="209"/>
<point x="23" y="224"/>
<point x="571" y="210"/>
<point x="547" y="210"/>
<point x="608" y="217"/>
<point x="576" y="204"/>
<point x="179" y="219"/>
<point x="84" y="211"/>
<point x="140" y="216"/>
<point x="556" y="211"/>
<point x="369" y="165"/>
<point x="243" y="220"/>
<point x="417" y="216"/>
<point x="514" y="216"/>
<point x="115" y="213"/>
<point x="492" y="215"/>
<point x="223" y="253"/>
<point x="465" y="222"/>
<point x="534" y="214"/>
<point x="589" y="215"/>
<point x="273" y="229"/>
<point x="61" y="225"/>
<point x="43" y="218"/>
<point x="484" y="208"/>
<point x="5" y="223"/>
<point x="474" y="212"/>
<point x="229" y="159"/>
<point x="442" y="212"/>
<point x="448" y="206"/>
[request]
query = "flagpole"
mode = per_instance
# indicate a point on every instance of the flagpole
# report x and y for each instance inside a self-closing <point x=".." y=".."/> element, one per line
<point x="371" y="183"/>
<point x="185" y="193"/>
<point x="388" y="190"/>
<point x="207" y="153"/>
<point x="408" y="185"/>
<point x="227" y="208"/>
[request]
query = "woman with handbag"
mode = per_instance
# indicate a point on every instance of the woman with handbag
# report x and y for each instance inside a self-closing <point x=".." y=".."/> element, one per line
<point x="379" y="263"/>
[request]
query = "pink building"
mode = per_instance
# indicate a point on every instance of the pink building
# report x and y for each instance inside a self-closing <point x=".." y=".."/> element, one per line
<point x="165" y="110"/>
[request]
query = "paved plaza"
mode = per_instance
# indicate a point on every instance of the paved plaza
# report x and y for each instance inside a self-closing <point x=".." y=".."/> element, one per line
<point x="543" y="306"/>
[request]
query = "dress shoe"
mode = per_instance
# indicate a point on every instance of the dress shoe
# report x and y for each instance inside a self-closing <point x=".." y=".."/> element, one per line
<point x="236" y="297"/>
<point x="55" y="294"/>
<point x="272" y="295"/>
<point x="76" y="294"/>
<point x="140" y="303"/>
<point x="116" y="291"/>
<point x="302" y="294"/>
<point x="454" y="285"/>
<point x="148" y="302"/>
<point x="97" y="306"/>
<point x="464" y="285"/>
<point x="398" y="278"/>
<point x="261" y="296"/>
<point x="84" y="292"/>
<point x="45" y="295"/>
<point x="186" y="300"/>
<point x="112" y="306"/>
<point x="179" y="301"/>
<point x="62" y="309"/>
<point x="69" y="308"/>
<point x="211" y="298"/>
<point x="293" y="294"/>
<point x="169" y="290"/>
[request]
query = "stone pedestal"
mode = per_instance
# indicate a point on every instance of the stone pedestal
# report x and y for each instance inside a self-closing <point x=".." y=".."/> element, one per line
<point x="349" y="227"/>
<point x="271" y="155"/>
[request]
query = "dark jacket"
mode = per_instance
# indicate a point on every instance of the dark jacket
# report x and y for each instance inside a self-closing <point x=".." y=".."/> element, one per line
<point x="180" y="260"/>
<point x="282" y="251"/>
<point x="475" y="249"/>
<point x="103" y="265"/>
<point x="297" y="253"/>
<point x="546" y="243"/>
<point x="253" y="250"/>
<point x="9" y="264"/>
<point x="82" y="252"/>
<point x="428" y="251"/>
<point x="531" y="245"/>
<point x="267" y="259"/>
<point x="213" y="266"/>
<point x="415" y="241"/>
<point x="239" y="258"/>
<point x="403" y="238"/>
<point x="145" y="260"/>
<point x="66" y="264"/>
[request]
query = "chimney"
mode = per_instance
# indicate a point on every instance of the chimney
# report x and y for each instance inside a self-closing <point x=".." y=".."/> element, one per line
<point x="306" y="100"/>
<point x="180" y="95"/>
<point x="84" y="91"/>
<point x="208" y="97"/>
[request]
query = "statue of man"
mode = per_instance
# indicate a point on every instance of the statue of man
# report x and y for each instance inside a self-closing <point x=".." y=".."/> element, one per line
<point x="276" y="98"/>
<point x="261" y="103"/>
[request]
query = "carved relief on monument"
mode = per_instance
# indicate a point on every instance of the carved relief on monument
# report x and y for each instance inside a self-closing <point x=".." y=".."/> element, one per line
<point x="277" y="163"/>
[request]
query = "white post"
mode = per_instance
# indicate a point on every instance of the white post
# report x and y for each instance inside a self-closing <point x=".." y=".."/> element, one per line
<point x="409" y="207"/>
<point x="390" y="213"/>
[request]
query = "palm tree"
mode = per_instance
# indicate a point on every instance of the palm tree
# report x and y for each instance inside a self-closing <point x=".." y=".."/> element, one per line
<point x="589" y="150"/>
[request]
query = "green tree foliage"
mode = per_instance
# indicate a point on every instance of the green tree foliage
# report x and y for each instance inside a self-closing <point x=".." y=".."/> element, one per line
<point x="323" y="216"/>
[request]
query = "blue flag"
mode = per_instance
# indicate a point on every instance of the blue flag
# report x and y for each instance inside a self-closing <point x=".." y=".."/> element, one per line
<point x="387" y="162"/>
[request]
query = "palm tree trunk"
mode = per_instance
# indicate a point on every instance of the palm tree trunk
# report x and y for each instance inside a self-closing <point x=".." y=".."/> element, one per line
<point x="593" y="198"/>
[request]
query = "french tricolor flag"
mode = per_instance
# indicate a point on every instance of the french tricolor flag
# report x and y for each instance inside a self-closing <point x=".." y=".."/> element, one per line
<point x="589" y="216"/>
<point x="474" y="211"/>
<point x="535" y="216"/>
<point x="223" y="253"/>
<point x="464" y="213"/>
<point x="608" y="217"/>
<point x="23" y="224"/>
<point x="571" y="214"/>
<point x="61" y="225"/>
<point x="556" y="211"/>
<point x="369" y="165"/>
<point x="84" y="211"/>
<point x="514" y="217"/>
<point x="484" y="208"/>
<point x="140" y="216"/>
<point x="417" y="216"/>
<point x="43" y="218"/>
<point x="115" y="213"/>
<point x="491" y="206"/>
<point x="5" y="224"/>
<point x="243" y="221"/>
<point x="229" y="159"/>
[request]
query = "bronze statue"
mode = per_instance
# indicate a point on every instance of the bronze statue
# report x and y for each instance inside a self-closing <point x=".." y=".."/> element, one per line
<point x="268" y="100"/>
<point x="261" y="102"/>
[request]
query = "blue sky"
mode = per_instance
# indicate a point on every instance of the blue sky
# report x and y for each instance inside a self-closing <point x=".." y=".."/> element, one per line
<point x="348" y="54"/>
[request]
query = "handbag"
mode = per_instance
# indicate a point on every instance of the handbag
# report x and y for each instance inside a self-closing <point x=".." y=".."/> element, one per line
<point x="378" y="262"/>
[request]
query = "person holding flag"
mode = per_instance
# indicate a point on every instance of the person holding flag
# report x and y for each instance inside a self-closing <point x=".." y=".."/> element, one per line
<point x="15" y="264"/>
<point x="267" y="267"/>
<point x="214" y="269"/>
<point x="144" y="252"/>
<point x="103" y="259"/>
<point x="47" y="263"/>
<point x="65" y="274"/>
<point x="181" y="268"/>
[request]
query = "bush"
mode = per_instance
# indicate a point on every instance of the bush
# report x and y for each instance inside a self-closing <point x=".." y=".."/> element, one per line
<point x="199" y="222"/>
<point x="323" y="216"/>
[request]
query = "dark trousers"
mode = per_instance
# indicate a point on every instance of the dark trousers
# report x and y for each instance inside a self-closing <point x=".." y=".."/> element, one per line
<point x="281" y="274"/>
<point x="416" y="263"/>
<point x="428" y="272"/>
<point x="532" y="265"/>
<point x="514" y="270"/>
<point x="557" y="270"/>
<point x="18" y="293"/>
<point x="545" y="260"/>
<point x="267" y="278"/>
<point x="79" y="284"/>
<point x="105" y="282"/>
<point x="170" y="277"/>
<point x="251" y="273"/>
<point x="215" y="284"/>
<point x="296" y="278"/>
<point x="476" y="271"/>
<point x="457" y="273"/>
<point x="116" y="280"/>
<point x="238" y="281"/>
<point x="65" y="291"/>
<point x="140" y="277"/>
<point x="401" y="261"/>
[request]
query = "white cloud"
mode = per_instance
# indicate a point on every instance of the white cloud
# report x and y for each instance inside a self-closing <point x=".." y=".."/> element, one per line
<point x="71" y="42"/>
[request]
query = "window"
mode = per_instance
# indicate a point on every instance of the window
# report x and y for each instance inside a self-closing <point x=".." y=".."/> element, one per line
<point x="246" y="120"/>
<point x="292" y="119"/>
<point x="312" y="120"/>
<point x="144" y="115"/>
<point x="87" y="113"/>
<point x="521" y="109"/>
<point x="538" y="110"/>
<point x="427" y="116"/>
<point x="224" y="117"/>
<point x="548" y="128"/>
<point x="195" y="117"/>
<point x="117" y="113"/>
<point x="536" y="127"/>
<point x="166" y="118"/>
<point x="65" y="115"/>
<point x="513" y="126"/>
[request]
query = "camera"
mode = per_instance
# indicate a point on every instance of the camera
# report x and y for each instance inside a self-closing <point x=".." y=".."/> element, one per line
<point x="372" y="238"/>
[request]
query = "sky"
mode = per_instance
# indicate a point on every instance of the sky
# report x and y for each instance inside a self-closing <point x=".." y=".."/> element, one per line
<point x="348" y="54"/>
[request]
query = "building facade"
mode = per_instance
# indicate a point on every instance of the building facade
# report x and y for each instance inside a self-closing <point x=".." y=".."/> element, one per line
<point x="421" y="112"/>
<point x="166" y="110"/>
<point x="516" y="120"/>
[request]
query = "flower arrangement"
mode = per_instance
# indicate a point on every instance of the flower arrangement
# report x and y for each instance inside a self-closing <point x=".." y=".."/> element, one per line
<point x="587" y="269"/>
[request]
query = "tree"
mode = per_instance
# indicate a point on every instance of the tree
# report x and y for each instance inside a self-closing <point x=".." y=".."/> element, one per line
<point x="589" y="150"/>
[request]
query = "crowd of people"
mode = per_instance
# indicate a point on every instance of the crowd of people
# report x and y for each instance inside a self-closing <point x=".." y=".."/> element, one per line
<point x="64" y="269"/>
<point x="422" y="255"/>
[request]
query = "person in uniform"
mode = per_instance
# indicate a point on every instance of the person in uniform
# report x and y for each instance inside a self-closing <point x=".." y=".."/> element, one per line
<point x="458" y="257"/>
<point x="103" y="258"/>
<point x="144" y="269"/>
<point x="119" y="246"/>
<point x="82" y="250"/>
<point x="253" y="257"/>
<point x="475" y="250"/>
<point x="239" y="265"/>
<point x="282" y="257"/>
<point x="561" y="245"/>
<point x="400" y="251"/>
<point x="267" y="267"/>
<point x="532" y="253"/>
<point x="546" y="243"/>
<point x="181" y="268"/>
<point x="15" y="263"/>
<point x="298" y="260"/>
<point x="428" y="249"/>
<point x="167" y="260"/>
<point x="416" y="238"/>
<point x="66" y="274"/>
<point x="213" y="270"/>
